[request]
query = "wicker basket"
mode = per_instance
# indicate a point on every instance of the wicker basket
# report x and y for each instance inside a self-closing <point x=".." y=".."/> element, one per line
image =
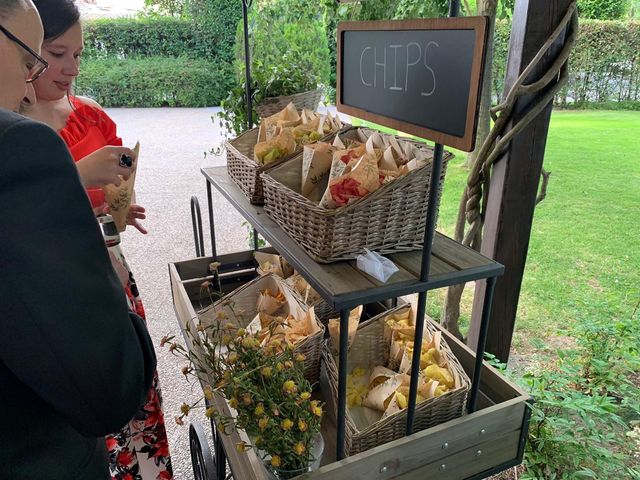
<point x="391" y="219"/>
<point x="245" y="171"/>
<point x="370" y="349"/>
<point x="244" y="300"/>
<point x="272" y="105"/>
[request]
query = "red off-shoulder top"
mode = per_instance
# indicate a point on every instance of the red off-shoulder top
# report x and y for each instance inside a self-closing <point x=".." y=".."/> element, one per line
<point x="87" y="130"/>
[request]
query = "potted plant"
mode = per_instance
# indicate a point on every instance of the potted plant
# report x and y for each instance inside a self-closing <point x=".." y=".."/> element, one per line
<point x="288" y="59"/>
<point x="265" y="385"/>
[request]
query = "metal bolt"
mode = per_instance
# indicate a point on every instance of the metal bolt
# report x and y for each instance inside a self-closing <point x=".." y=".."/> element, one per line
<point x="384" y="469"/>
<point x="445" y="445"/>
<point x="443" y="467"/>
<point x="478" y="453"/>
<point x="483" y="431"/>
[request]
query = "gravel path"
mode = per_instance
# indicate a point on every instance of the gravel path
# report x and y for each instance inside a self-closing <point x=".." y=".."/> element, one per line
<point x="172" y="146"/>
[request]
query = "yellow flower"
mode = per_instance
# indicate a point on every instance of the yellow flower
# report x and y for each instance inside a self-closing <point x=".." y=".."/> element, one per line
<point x="259" y="410"/>
<point x="229" y="326"/>
<point x="263" y="423"/>
<point x="302" y="425"/>
<point x="258" y="441"/>
<point x="226" y="339"/>
<point x="246" y="399"/>
<point x="305" y="395"/>
<point x="300" y="357"/>
<point x="286" y="424"/>
<point x="289" y="387"/>
<point x="221" y="315"/>
<point x="315" y="408"/>
<point x="210" y="412"/>
<point x="221" y="427"/>
<point x="250" y="342"/>
<point x="288" y="364"/>
<point x="279" y="366"/>
<point x="266" y="372"/>
<point x="185" y="409"/>
<point x="242" y="332"/>
<point x="241" y="447"/>
<point x="298" y="448"/>
<point x="275" y="461"/>
<point x="208" y="392"/>
<point x="233" y="402"/>
<point x="233" y="358"/>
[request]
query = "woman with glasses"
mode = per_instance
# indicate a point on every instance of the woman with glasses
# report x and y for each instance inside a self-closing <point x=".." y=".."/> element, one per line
<point x="140" y="450"/>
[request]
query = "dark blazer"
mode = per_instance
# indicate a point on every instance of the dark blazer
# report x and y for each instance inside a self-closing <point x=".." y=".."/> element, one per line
<point x="74" y="364"/>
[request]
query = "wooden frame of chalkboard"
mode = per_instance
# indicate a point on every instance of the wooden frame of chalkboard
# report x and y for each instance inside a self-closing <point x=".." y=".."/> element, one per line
<point x="440" y="114"/>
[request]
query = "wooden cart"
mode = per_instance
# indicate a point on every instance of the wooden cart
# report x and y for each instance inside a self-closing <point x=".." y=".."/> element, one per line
<point x="489" y="439"/>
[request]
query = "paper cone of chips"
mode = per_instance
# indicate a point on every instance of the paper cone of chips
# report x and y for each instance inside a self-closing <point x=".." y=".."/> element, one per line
<point x="119" y="198"/>
<point x="334" y="329"/>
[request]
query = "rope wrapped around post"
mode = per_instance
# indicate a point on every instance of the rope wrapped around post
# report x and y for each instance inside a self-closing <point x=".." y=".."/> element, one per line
<point x="473" y="202"/>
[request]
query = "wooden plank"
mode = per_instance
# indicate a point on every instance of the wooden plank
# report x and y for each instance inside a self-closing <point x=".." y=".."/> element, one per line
<point x="472" y="461"/>
<point x="410" y="453"/>
<point x="458" y="255"/>
<point x="515" y="176"/>
<point x="412" y="262"/>
<point x="339" y="283"/>
<point x="402" y="275"/>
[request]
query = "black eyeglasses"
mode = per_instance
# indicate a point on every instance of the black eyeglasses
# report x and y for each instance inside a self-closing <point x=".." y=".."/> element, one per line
<point x="40" y="65"/>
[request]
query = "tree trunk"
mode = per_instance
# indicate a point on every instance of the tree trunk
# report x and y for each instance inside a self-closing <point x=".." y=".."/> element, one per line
<point x="488" y="8"/>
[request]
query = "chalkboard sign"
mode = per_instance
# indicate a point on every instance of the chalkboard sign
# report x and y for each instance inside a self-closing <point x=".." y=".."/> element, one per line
<point x="418" y="76"/>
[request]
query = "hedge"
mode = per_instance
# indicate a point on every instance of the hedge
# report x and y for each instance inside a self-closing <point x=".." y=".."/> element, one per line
<point x="152" y="36"/>
<point x="154" y="82"/>
<point x="604" y="66"/>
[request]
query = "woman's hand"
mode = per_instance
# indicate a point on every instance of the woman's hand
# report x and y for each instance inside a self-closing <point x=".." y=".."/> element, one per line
<point x="102" y="167"/>
<point x="136" y="212"/>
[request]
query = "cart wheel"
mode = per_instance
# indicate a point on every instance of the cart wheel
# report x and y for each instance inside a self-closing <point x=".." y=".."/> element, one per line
<point x="204" y="467"/>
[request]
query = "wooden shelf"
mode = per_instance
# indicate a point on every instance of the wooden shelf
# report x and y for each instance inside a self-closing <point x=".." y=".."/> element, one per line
<point x="341" y="284"/>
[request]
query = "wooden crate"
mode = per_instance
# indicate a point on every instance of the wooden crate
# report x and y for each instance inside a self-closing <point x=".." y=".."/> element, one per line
<point x="473" y="446"/>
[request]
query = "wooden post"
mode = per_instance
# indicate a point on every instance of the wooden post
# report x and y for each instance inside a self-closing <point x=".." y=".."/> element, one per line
<point x="515" y="176"/>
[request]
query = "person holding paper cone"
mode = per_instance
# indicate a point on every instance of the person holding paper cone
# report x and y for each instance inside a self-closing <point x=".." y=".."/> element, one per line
<point x="91" y="136"/>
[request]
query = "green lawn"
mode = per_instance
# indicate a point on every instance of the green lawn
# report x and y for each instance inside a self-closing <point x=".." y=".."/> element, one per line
<point x="584" y="254"/>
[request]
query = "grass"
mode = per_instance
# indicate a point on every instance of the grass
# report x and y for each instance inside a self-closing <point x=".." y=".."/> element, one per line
<point x="584" y="252"/>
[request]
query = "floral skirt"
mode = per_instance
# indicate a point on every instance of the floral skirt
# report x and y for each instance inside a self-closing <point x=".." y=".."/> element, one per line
<point x="140" y="450"/>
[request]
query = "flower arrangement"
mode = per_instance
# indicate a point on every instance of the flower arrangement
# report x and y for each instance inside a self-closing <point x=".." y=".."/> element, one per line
<point x="263" y="382"/>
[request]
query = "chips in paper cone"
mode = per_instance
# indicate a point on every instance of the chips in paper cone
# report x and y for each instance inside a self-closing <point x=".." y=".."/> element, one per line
<point x="276" y="148"/>
<point x="334" y="329"/>
<point x="269" y="302"/>
<point x="272" y="263"/>
<point x="119" y="198"/>
<point x="316" y="162"/>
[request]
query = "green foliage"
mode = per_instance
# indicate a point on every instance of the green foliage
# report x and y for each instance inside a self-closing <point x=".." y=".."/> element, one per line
<point x="147" y="36"/>
<point x="289" y="54"/>
<point x="421" y="9"/>
<point x="154" y="82"/>
<point x="603" y="9"/>
<point x="604" y="66"/>
<point x="574" y="433"/>
<point x="584" y="406"/>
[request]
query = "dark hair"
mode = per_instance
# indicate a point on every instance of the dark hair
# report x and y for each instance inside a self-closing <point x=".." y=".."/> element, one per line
<point x="57" y="16"/>
<point x="8" y="7"/>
